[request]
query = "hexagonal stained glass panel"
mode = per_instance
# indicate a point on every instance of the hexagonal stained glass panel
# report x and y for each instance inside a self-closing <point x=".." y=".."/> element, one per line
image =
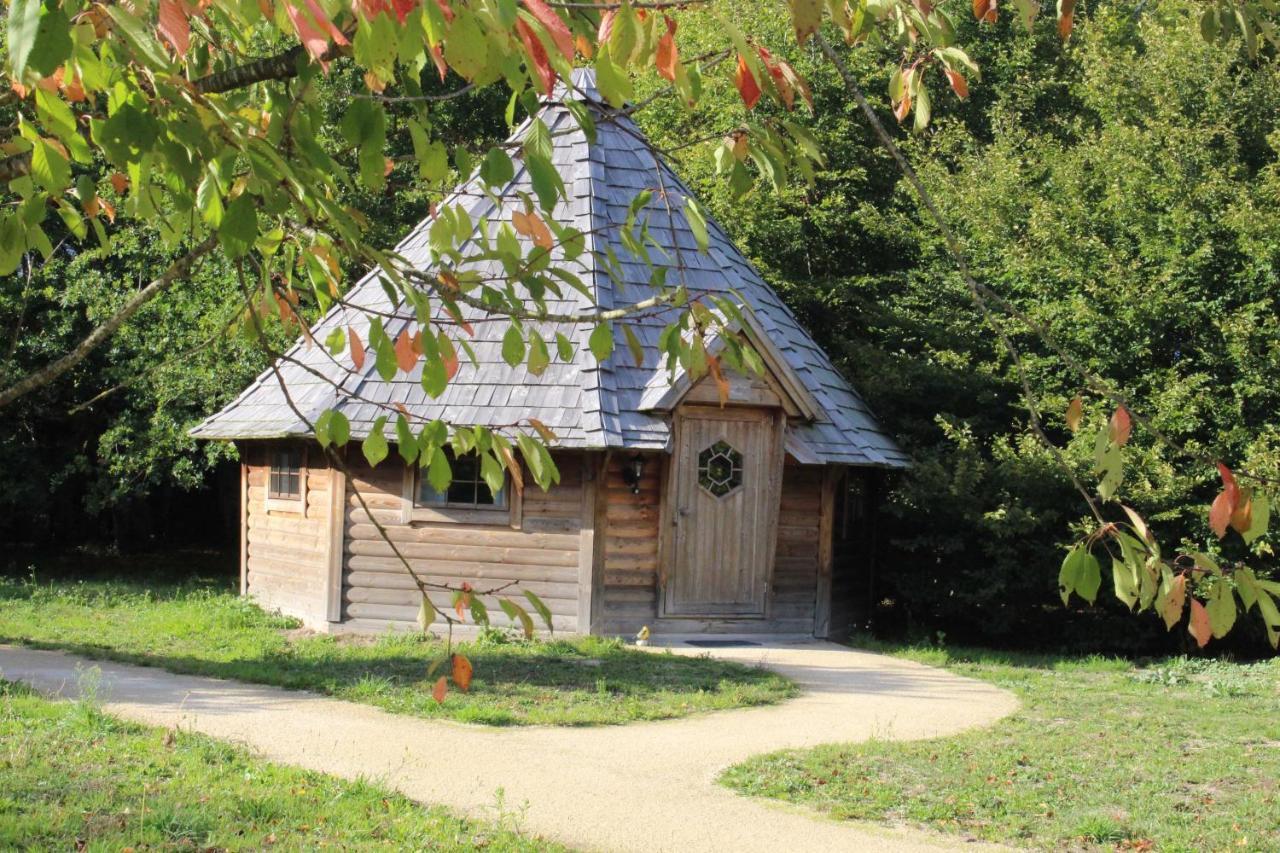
<point x="720" y="469"/>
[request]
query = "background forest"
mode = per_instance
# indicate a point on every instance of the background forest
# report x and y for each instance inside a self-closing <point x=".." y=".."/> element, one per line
<point x="1121" y="188"/>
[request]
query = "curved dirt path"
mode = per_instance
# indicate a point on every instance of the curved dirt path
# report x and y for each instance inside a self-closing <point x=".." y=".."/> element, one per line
<point x="640" y="787"/>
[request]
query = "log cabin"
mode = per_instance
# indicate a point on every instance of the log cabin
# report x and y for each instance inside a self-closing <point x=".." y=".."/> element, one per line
<point x="674" y="509"/>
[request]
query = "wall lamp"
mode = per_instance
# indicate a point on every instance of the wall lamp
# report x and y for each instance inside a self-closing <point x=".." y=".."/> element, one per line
<point x="632" y="472"/>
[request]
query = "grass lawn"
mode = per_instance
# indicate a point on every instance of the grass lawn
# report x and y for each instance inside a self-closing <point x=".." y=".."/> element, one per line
<point x="1174" y="755"/>
<point x="204" y="628"/>
<point x="73" y="778"/>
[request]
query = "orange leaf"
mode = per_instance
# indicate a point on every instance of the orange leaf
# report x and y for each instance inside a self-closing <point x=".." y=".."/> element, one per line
<point x="461" y="603"/>
<point x="1229" y="484"/>
<point x="119" y="183"/>
<point x="666" y="55"/>
<point x="437" y="56"/>
<point x="517" y="473"/>
<point x="1177" y="599"/>
<point x="537" y="56"/>
<point x="554" y="25"/>
<point x="1199" y="626"/>
<point x="1242" y="518"/>
<point x="780" y="81"/>
<point x="174" y="26"/>
<point x="960" y="86"/>
<point x="903" y="109"/>
<point x="403" y="8"/>
<point x="722" y="385"/>
<point x="1220" y="512"/>
<point x="748" y="88"/>
<point x="357" y="347"/>
<point x="450" y="358"/>
<point x="985" y="11"/>
<point x="544" y="432"/>
<point x="406" y="358"/>
<point x="1066" y="17"/>
<point x="440" y="690"/>
<point x="1121" y="426"/>
<point x="1075" y="413"/>
<point x="462" y="672"/>
<point x="531" y="225"/>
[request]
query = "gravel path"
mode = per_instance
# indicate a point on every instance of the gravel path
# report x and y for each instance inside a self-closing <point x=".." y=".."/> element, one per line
<point x="641" y="787"/>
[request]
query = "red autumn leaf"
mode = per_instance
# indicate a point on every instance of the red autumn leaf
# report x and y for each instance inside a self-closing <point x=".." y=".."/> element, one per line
<point x="606" y="26"/>
<point x="985" y="11"/>
<point x="417" y="342"/>
<point x="440" y="690"/>
<point x="780" y="81"/>
<point x="450" y="360"/>
<point x="1066" y="17"/>
<point x="924" y="6"/>
<point x="403" y="8"/>
<point x="722" y="384"/>
<point x="357" y="347"/>
<point x="446" y="10"/>
<point x="959" y="85"/>
<point x="437" y="56"/>
<point x="1075" y="413"/>
<point x="531" y="225"/>
<point x="1229" y="485"/>
<point x="797" y="82"/>
<point x="666" y="54"/>
<point x="461" y="602"/>
<point x="554" y="25"/>
<point x="174" y="26"/>
<point x="1199" y="626"/>
<point x="748" y="88"/>
<point x="315" y="41"/>
<point x="406" y="358"/>
<point x="119" y="183"/>
<point x="1121" y="426"/>
<point x="462" y="672"/>
<point x="537" y="56"/>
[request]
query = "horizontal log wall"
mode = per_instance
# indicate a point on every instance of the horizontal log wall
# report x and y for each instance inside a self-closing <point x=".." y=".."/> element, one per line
<point x="286" y="561"/>
<point x="795" y="572"/>
<point x="541" y="556"/>
<point x="631" y="545"/>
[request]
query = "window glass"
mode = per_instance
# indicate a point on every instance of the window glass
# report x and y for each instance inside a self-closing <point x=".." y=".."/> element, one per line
<point x="285" y="475"/>
<point x="468" y="488"/>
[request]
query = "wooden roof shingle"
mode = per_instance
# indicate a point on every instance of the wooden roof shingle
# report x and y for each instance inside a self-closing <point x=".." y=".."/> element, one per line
<point x="586" y="404"/>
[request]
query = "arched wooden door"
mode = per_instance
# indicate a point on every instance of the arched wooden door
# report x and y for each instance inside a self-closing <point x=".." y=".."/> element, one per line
<point x="723" y="507"/>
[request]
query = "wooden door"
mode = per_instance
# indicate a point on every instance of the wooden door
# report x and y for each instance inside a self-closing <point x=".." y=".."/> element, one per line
<point x="726" y="471"/>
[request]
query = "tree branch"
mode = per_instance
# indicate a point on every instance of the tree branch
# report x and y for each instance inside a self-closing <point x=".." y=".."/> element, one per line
<point x="98" y="336"/>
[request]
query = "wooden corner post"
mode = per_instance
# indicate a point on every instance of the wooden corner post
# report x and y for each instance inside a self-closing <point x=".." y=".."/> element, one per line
<point x="831" y="476"/>
<point x="337" y="542"/>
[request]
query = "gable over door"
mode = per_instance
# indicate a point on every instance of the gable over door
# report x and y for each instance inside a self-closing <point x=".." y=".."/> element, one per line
<point x="727" y="467"/>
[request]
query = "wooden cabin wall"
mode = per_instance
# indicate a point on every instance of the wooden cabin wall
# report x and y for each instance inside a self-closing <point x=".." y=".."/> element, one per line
<point x="286" y="553"/>
<point x="631" y="545"/>
<point x="795" y="572"/>
<point x="541" y="556"/>
<point x="632" y="556"/>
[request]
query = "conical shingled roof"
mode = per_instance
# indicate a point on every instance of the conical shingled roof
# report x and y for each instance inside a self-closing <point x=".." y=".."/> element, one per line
<point x="587" y="405"/>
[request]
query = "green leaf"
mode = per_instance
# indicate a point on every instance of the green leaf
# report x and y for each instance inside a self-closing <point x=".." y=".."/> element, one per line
<point x="548" y="186"/>
<point x="1125" y="581"/>
<point x="406" y="444"/>
<point x="539" y="356"/>
<point x="433" y="158"/>
<point x="601" y="342"/>
<point x="564" y="347"/>
<point x="492" y="472"/>
<point x="50" y="169"/>
<point x="697" y="223"/>
<point x="138" y="34"/>
<point x="332" y="427"/>
<point x="375" y="444"/>
<point x="239" y="227"/>
<point x="1260" y="518"/>
<point x="923" y="109"/>
<point x="479" y="612"/>
<point x="24" y="26"/>
<point x="541" y="609"/>
<point x="512" y="346"/>
<point x="497" y="169"/>
<point x="336" y="341"/>
<point x="1081" y="574"/>
<point x="1222" y="609"/>
<point x="209" y="201"/>
<point x="1111" y="470"/>
<point x="39" y="37"/>
<point x="439" y="473"/>
<point x="516" y="613"/>
<point x="634" y="345"/>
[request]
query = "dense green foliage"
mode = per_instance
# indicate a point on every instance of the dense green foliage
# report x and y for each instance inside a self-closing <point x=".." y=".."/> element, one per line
<point x="1121" y="189"/>
<point x="76" y="778"/>
<point x="205" y="628"/>
<point x="1179" y="754"/>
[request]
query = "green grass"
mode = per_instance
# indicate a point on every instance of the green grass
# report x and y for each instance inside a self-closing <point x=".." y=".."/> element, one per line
<point x="1180" y="754"/>
<point x="203" y="628"/>
<point x="74" y="778"/>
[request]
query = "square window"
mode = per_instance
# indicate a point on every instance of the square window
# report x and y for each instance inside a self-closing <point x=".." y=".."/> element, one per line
<point x="284" y="478"/>
<point x="467" y="489"/>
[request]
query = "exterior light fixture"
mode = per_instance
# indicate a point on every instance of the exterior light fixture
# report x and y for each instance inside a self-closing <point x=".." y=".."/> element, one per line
<point x="632" y="472"/>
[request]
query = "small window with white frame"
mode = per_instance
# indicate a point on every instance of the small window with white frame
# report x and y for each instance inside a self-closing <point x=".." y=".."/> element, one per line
<point x="286" y="478"/>
<point x="466" y="500"/>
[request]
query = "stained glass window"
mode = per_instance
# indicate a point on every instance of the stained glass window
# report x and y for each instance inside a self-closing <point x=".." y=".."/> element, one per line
<point x="720" y="469"/>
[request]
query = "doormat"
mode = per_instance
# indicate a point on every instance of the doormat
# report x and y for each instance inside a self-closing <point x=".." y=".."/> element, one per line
<point x="720" y="644"/>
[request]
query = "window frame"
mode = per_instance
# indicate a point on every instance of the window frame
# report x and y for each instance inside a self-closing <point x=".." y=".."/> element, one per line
<point x="281" y="503"/>
<point x="508" y="514"/>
